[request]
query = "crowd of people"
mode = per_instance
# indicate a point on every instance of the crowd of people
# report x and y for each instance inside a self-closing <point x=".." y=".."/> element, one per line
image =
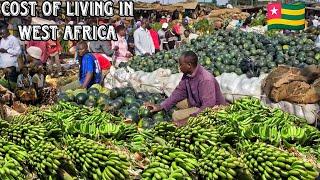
<point x="27" y="64"/>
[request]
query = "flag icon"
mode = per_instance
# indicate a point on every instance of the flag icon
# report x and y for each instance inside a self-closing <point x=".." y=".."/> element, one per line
<point x="286" y="16"/>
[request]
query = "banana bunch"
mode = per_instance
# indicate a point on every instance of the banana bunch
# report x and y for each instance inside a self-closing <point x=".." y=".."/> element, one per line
<point x="93" y="129"/>
<point x="26" y="135"/>
<point x="219" y="163"/>
<point x="126" y="131"/>
<point x="294" y="134"/>
<point x="95" y="161"/>
<point x="3" y="124"/>
<point x="312" y="133"/>
<point x="164" y="129"/>
<point x="46" y="159"/>
<point x="12" y="159"/>
<point x="28" y="118"/>
<point x="269" y="162"/>
<point x="247" y="103"/>
<point x="264" y="132"/>
<point x="206" y="118"/>
<point x="170" y="163"/>
<point x="195" y="140"/>
<point x="139" y="141"/>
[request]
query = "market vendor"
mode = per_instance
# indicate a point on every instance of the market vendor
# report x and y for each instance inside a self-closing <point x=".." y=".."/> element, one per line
<point x="197" y="90"/>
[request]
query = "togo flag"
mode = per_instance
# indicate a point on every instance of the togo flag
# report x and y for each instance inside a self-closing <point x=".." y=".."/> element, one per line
<point x="286" y="16"/>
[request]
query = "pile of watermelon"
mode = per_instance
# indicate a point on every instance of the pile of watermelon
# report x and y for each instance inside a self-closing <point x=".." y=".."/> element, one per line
<point x="125" y="102"/>
<point x="223" y="52"/>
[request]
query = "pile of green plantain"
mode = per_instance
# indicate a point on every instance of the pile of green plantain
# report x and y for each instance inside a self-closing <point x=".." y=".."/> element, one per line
<point x="245" y="140"/>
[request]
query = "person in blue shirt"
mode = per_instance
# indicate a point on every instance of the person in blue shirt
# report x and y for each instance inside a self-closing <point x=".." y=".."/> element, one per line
<point x="90" y="71"/>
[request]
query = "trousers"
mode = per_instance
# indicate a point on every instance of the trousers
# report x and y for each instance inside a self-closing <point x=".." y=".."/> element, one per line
<point x="180" y="117"/>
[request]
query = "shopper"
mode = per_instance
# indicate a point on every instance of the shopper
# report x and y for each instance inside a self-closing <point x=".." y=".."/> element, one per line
<point x="162" y="34"/>
<point x="101" y="47"/>
<point x="197" y="90"/>
<point x="177" y="30"/>
<point x="142" y="40"/>
<point x="89" y="72"/>
<point x="122" y="53"/>
<point x="54" y="65"/>
<point x="155" y="38"/>
<point x="10" y="50"/>
<point x="170" y="41"/>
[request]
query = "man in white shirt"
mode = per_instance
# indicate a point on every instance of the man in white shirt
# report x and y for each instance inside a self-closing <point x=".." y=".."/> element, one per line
<point x="142" y="40"/>
<point x="10" y="49"/>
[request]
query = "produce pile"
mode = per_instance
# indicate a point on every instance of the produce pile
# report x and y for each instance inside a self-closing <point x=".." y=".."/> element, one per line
<point x="245" y="140"/>
<point x="223" y="51"/>
<point x="120" y="101"/>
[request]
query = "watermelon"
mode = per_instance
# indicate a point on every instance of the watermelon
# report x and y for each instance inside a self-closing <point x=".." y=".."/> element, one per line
<point x="114" y="93"/>
<point x="144" y="112"/>
<point x="132" y="115"/>
<point x="81" y="98"/>
<point x="146" y="123"/>
<point x="158" y="117"/>
<point x="93" y="91"/>
<point x="129" y="99"/>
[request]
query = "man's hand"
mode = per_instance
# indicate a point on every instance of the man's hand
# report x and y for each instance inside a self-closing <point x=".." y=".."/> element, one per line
<point x="3" y="50"/>
<point x="153" y="107"/>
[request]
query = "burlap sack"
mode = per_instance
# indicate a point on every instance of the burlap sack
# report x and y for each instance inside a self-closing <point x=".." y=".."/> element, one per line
<point x="311" y="72"/>
<point x="279" y="77"/>
<point x="301" y="93"/>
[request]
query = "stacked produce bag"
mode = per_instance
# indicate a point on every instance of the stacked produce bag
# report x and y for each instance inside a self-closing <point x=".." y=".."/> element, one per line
<point x="293" y="84"/>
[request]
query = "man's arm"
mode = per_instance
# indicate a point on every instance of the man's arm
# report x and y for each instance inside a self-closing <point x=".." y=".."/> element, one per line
<point x="137" y="43"/>
<point x="87" y="79"/>
<point x="207" y="92"/>
<point x="179" y="94"/>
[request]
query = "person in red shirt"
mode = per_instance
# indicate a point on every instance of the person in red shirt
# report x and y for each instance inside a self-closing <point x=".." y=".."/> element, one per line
<point x="176" y="29"/>
<point x="155" y="38"/>
<point x="53" y="50"/>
